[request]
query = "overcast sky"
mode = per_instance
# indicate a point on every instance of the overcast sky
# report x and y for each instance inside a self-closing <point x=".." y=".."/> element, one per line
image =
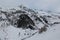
<point x="53" y="5"/>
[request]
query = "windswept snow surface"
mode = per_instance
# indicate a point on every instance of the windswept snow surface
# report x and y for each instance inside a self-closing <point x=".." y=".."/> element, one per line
<point x="52" y="33"/>
<point x="10" y="32"/>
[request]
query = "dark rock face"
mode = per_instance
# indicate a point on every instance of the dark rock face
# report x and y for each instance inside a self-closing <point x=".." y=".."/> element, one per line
<point x="25" y="22"/>
<point x="45" y="20"/>
<point x="19" y="11"/>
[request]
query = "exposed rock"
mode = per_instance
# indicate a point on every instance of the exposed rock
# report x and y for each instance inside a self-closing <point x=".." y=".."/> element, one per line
<point x="19" y="11"/>
<point x="25" y="22"/>
<point x="44" y="19"/>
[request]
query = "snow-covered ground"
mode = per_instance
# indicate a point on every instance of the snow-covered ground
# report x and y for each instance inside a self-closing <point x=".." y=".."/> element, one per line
<point x="52" y="33"/>
<point x="9" y="32"/>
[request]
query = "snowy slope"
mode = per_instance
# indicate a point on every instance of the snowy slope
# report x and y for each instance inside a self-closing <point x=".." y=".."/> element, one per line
<point x="43" y="30"/>
<point x="52" y="33"/>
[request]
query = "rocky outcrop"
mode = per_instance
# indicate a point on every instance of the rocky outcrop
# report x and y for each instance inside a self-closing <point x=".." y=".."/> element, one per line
<point x="25" y="22"/>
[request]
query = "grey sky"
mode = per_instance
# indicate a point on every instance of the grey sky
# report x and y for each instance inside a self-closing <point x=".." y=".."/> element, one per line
<point x="53" y="5"/>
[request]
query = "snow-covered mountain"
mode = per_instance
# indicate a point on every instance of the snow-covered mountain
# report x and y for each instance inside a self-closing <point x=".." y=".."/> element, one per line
<point x="29" y="24"/>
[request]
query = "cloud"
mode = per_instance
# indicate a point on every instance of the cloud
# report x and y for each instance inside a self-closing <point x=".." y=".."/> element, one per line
<point x="52" y="5"/>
